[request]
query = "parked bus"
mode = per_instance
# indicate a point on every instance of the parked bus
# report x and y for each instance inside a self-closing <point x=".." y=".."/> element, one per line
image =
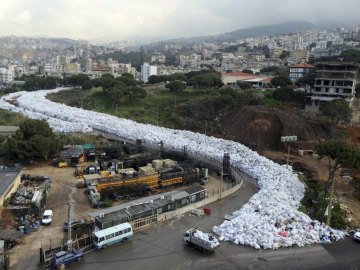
<point x="112" y="235"/>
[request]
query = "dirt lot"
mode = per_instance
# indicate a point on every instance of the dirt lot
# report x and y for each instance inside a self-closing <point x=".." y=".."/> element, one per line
<point x="343" y="188"/>
<point x="63" y="189"/>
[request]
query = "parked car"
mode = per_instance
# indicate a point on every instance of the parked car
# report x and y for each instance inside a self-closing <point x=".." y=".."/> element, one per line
<point x="47" y="217"/>
<point x="357" y="236"/>
<point x="73" y="223"/>
<point x="67" y="257"/>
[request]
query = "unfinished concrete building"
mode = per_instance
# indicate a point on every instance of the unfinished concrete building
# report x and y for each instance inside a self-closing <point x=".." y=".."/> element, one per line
<point x="334" y="80"/>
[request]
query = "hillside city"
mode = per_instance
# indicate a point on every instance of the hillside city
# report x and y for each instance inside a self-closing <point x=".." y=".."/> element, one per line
<point x="117" y="154"/>
<point x="54" y="57"/>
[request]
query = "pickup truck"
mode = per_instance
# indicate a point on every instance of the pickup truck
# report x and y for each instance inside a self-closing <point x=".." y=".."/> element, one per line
<point x="205" y="242"/>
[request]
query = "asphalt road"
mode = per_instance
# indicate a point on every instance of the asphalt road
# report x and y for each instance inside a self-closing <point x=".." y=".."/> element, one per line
<point x="161" y="247"/>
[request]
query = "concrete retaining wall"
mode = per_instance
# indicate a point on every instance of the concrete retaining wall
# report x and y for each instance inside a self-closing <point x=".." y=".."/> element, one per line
<point x="200" y="204"/>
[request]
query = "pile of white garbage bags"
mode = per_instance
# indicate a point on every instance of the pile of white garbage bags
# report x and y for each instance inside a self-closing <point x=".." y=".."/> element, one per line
<point x="208" y="238"/>
<point x="269" y="220"/>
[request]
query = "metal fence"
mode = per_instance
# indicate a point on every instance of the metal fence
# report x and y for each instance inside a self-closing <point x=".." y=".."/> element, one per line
<point x="143" y="223"/>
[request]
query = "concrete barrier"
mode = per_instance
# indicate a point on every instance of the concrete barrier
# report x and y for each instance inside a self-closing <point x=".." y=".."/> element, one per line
<point x="208" y="200"/>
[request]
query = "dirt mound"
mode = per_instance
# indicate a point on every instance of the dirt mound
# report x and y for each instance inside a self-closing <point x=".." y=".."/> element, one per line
<point x="259" y="127"/>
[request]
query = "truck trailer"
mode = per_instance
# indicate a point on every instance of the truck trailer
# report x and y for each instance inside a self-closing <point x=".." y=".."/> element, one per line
<point x="205" y="242"/>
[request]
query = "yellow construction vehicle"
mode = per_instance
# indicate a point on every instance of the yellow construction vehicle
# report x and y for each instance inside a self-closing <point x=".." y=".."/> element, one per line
<point x="62" y="164"/>
<point x="80" y="170"/>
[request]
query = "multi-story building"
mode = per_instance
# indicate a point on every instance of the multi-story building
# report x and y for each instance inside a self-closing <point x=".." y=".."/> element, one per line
<point x="300" y="55"/>
<point x="275" y="52"/>
<point x="158" y="58"/>
<point x="7" y="74"/>
<point x="146" y="71"/>
<point x="299" y="70"/>
<point x="334" y="80"/>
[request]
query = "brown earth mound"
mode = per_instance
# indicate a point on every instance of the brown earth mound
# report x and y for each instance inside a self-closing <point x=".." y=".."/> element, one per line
<point x="259" y="127"/>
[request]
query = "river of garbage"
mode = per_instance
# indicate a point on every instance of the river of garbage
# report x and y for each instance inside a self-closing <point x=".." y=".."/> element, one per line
<point x="269" y="220"/>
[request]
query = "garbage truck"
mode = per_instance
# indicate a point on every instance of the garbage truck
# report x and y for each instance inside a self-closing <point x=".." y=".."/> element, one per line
<point x="205" y="242"/>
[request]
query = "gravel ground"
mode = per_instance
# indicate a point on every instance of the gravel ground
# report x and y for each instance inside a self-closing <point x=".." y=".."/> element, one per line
<point x="63" y="189"/>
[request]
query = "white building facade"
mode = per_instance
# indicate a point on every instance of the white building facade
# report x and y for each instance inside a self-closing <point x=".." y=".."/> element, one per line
<point x="146" y="71"/>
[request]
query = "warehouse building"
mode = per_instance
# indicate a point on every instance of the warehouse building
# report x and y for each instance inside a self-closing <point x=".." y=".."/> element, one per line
<point x="148" y="206"/>
<point x="10" y="180"/>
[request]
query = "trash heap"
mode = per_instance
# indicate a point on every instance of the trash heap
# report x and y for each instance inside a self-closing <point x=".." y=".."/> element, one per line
<point x="269" y="220"/>
<point x="28" y="224"/>
<point x="207" y="237"/>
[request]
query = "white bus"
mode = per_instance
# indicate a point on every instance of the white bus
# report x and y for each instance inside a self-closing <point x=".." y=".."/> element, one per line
<point x="112" y="235"/>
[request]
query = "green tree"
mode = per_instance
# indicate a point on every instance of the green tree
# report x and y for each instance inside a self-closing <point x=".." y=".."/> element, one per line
<point x="135" y="93"/>
<point x="116" y="93"/>
<point x="106" y="82"/>
<point x="153" y="79"/>
<point x="281" y="81"/>
<point x="175" y="86"/>
<point x="31" y="85"/>
<point x="270" y="70"/>
<point x="33" y="140"/>
<point x="86" y="85"/>
<point x="284" y="54"/>
<point x="244" y="85"/>
<point x="126" y="74"/>
<point x="248" y="71"/>
<point x="128" y="81"/>
<point x="76" y="80"/>
<point x="288" y="95"/>
<point x="308" y="79"/>
<point x="338" y="155"/>
<point x="336" y="111"/>
<point x="357" y="90"/>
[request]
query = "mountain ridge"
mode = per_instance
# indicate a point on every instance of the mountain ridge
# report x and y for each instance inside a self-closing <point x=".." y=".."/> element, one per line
<point x="274" y="29"/>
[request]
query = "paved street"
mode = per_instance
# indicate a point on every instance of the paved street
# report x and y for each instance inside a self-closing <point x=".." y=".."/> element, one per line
<point x="162" y="247"/>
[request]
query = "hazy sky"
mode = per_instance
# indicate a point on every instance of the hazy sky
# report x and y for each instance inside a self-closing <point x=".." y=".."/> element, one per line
<point x="120" y="19"/>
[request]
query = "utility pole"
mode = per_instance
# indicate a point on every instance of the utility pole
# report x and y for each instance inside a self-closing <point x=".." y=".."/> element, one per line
<point x="221" y="181"/>
<point x="69" y="241"/>
<point x="332" y="187"/>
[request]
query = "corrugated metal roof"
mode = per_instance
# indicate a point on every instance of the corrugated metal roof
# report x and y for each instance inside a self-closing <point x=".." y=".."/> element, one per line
<point x="194" y="189"/>
<point x="128" y="204"/>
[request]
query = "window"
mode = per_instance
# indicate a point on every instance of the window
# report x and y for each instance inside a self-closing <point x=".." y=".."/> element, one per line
<point x="193" y="198"/>
<point x="202" y="194"/>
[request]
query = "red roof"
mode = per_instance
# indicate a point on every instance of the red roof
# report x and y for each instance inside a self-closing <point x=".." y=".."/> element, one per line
<point x="238" y="74"/>
<point x="302" y="65"/>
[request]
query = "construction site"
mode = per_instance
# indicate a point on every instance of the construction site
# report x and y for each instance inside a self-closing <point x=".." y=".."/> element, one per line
<point x="127" y="171"/>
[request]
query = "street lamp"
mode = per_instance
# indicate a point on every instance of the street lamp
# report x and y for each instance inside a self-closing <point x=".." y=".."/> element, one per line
<point x="288" y="139"/>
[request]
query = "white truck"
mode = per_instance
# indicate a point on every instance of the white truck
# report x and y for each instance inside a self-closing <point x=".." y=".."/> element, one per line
<point x="205" y="242"/>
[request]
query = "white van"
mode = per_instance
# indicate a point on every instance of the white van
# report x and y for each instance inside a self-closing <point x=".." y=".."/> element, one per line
<point x="47" y="217"/>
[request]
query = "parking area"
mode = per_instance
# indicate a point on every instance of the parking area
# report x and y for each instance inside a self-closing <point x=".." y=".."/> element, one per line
<point x="63" y="189"/>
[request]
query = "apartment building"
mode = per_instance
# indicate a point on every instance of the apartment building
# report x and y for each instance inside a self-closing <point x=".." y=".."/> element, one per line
<point x="300" y="55"/>
<point x="7" y="74"/>
<point x="275" y="52"/>
<point x="299" y="70"/>
<point x="334" y="80"/>
<point x="146" y="71"/>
